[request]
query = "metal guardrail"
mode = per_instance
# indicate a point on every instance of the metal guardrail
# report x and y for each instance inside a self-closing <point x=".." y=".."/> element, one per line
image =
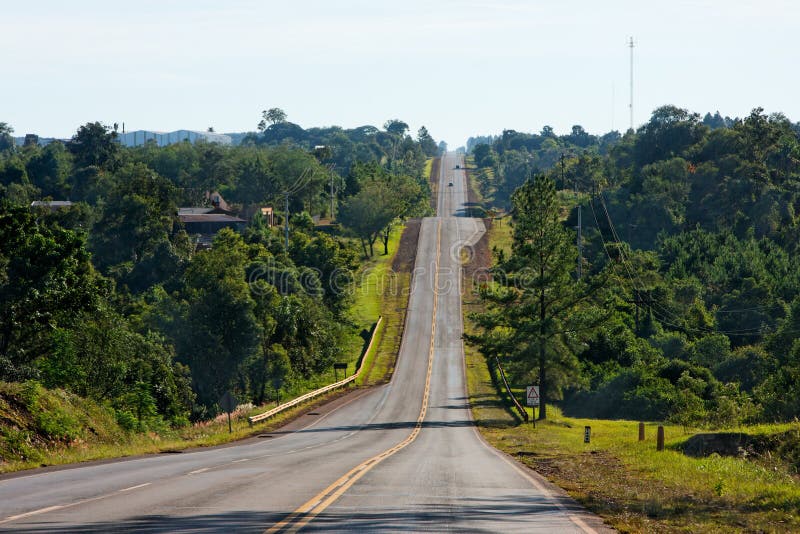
<point x="317" y="392"/>
<point x="522" y="411"/>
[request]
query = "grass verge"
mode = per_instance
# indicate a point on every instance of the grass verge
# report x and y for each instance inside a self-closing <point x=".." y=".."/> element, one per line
<point x="95" y="435"/>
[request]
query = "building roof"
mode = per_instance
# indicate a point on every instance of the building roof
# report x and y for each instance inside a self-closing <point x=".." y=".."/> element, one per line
<point x="209" y="217"/>
<point x="140" y="137"/>
<point x="51" y="203"/>
<point x="194" y="211"/>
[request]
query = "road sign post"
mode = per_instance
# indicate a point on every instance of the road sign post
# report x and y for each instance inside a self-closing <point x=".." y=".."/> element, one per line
<point x="336" y="367"/>
<point x="277" y="383"/>
<point x="532" y="395"/>
<point x="532" y="399"/>
<point x="228" y="403"/>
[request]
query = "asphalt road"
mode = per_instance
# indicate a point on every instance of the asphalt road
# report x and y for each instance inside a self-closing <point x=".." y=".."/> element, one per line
<point x="402" y="457"/>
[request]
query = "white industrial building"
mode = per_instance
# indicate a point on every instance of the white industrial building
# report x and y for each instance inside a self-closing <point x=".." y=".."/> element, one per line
<point x="140" y="137"/>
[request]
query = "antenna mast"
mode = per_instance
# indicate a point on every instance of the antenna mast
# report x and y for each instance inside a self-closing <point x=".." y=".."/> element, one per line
<point x="630" y="44"/>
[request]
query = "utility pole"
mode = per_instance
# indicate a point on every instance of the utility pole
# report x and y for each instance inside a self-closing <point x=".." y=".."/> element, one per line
<point x="332" y="193"/>
<point x="638" y="300"/>
<point x="630" y="44"/>
<point x="299" y="184"/>
<point x="580" y="245"/>
<point x="286" y="220"/>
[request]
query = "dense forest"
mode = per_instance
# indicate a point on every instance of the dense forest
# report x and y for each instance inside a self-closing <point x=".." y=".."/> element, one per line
<point x="112" y="299"/>
<point x="689" y="304"/>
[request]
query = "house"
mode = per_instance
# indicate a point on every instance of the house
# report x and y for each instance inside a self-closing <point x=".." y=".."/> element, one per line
<point x="203" y="225"/>
<point x="209" y="223"/>
<point x="249" y="211"/>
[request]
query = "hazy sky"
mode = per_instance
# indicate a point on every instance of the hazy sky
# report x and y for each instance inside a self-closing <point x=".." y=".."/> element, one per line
<point x="460" y="68"/>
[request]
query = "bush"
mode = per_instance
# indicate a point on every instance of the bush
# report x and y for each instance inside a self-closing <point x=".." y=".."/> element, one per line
<point x="126" y="420"/>
<point x="58" y="424"/>
<point x="17" y="445"/>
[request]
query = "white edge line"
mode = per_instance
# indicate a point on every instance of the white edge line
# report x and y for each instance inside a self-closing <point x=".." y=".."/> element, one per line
<point x="134" y="487"/>
<point x="196" y="471"/>
<point x="34" y="512"/>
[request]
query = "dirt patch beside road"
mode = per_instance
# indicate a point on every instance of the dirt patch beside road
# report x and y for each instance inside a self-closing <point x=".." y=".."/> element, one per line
<point x="476" y="270"/>
<point x="406" y="255"/>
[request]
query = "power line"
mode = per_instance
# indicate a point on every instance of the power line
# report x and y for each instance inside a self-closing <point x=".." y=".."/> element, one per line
<point x="664" y="315"/>
<point x="659" y="309"/>
<point x="296" y="187"/>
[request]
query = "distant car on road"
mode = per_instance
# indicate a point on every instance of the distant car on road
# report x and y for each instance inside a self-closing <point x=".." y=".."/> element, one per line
<point x="458" y="166"/>
<point x="449" y="184"/>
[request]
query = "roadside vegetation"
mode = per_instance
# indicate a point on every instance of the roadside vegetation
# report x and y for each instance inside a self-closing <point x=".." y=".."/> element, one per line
<point x="688" y="234"/>
<point x="631" y="485"/>
<point x="110" y="309"/>
<point x="732" y="439"/>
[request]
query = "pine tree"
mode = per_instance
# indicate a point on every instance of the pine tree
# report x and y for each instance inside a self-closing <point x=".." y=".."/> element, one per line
<point x="539" y="313"/>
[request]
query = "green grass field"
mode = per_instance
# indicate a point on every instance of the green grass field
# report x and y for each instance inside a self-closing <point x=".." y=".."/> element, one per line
<point x="381" y="292"/>
<point x="95" y="435"/>
<point x="633" y="486"/>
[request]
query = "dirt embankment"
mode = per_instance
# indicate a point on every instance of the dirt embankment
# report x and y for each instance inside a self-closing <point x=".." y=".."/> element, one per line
<point x="406" y="255"/>
<point x="476" y="269"/>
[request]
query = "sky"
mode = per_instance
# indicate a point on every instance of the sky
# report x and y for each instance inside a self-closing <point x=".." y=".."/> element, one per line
<point x="459" y="67"/>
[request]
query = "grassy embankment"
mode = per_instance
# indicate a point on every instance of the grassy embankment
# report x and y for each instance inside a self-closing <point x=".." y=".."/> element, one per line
<point x="382" y="292"/>
<point x="40" y="427"/>
<point x="633" y="486"/>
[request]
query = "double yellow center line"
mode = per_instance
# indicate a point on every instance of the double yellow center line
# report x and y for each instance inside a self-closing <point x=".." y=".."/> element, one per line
<point x="318" y="503"/>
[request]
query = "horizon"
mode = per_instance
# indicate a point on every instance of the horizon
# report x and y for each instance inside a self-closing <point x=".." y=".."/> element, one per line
<point x="461" y="68"/>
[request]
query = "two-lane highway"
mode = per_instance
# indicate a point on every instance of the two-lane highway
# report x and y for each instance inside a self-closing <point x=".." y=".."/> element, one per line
<point x="405" y="456"/>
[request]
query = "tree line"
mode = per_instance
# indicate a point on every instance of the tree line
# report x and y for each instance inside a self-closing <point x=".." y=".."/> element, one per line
<point x="690" y="300"/>
<point x="113" y="300"/>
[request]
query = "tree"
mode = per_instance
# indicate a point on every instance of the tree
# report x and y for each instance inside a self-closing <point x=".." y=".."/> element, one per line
<point x="95" y="145"/>
<point x="483" y="155"/>
<point x="396" y="127"/>
<point x="266" y="300"/>
<point x="49" y="170"/>
<point x="45" y="280"/>
<point x="368" y="212"/>
<point x="381" y="198"/>
<point x="139" y="238"/>
<point x="540" y="317"/>
<point x="271" y="116"/>
<point x="6" y="141"/>
<point x="669" y="132"/>
<point x="426" y="141"/>
<point x="220" y="331"/>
